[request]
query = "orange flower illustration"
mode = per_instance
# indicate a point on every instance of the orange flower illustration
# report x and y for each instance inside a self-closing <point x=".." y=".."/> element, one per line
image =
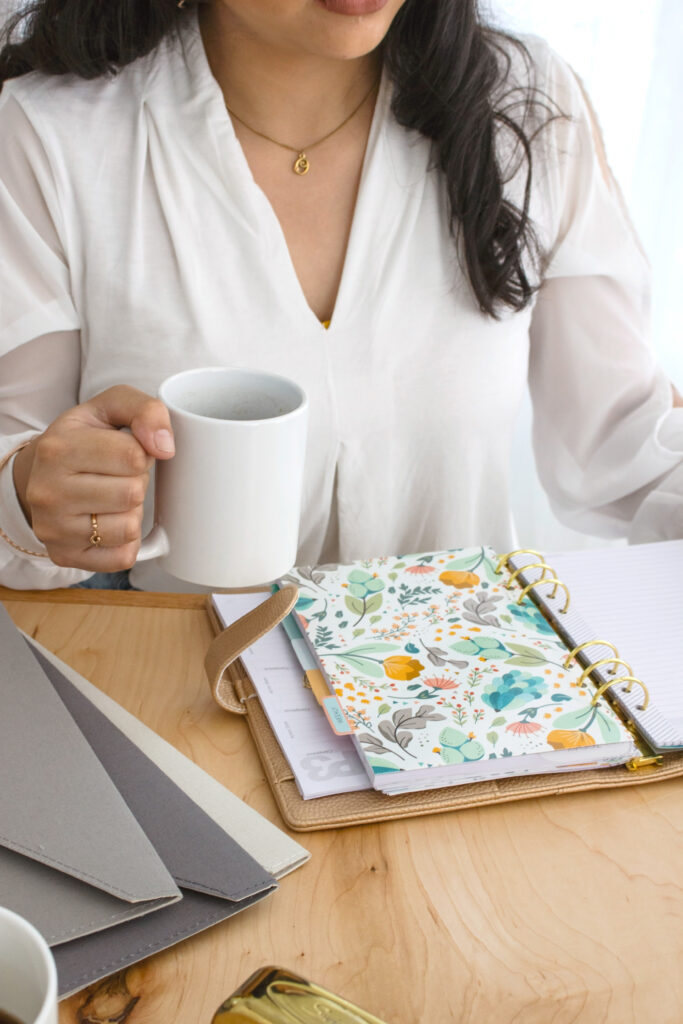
<point x="463" y="580"/>
<point x="400" y="666"/>
<point x="420" y="569"/>
<point x="522" y="728"/>
<point x="441" y="683"/>
<point x="563" y="739"/>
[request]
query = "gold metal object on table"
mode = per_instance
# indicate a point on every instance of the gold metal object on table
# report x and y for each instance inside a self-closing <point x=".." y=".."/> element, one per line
<point x="274" y="995"/>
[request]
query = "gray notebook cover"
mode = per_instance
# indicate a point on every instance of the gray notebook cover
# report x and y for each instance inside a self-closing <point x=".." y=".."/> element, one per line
<point x="58" y="806"/>
<point x="274" y="850"/>
<point x="215" y="876"/>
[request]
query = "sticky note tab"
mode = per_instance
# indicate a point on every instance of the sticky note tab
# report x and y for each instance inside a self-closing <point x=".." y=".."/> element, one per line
<point x="316" y="681"/>
<point x="336" y="717"/>
<point x="306" y="658"/>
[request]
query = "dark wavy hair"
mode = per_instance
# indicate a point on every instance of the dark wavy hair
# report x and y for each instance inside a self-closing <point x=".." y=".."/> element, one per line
<point x="451" y="74"/>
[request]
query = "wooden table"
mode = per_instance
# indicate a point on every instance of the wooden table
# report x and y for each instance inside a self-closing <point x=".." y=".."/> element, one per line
<point x="546" y="911"/>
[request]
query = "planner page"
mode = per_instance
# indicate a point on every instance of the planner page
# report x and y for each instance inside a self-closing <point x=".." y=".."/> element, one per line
<point x="633" y="598"/>
<point x="323" y="764"/>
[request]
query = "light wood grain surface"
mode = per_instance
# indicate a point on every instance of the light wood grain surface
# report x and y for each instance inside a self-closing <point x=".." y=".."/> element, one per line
<point x="565" y="909"/>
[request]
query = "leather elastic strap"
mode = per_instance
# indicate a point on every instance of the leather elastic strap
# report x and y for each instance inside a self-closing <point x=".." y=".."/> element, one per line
<point x="229" y="644"/>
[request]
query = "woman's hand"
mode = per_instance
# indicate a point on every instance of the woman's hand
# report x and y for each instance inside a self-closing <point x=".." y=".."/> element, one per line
<point x="84" y="465"/>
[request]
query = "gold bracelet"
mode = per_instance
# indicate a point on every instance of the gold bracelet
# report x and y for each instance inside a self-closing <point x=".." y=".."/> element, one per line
<point x="8" y="540"/>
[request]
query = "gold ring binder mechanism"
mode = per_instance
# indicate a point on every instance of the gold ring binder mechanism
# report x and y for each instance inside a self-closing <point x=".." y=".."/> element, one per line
<point x="648" y="759"/>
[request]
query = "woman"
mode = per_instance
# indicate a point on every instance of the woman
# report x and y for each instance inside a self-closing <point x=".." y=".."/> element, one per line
<point x="406" y="213"/>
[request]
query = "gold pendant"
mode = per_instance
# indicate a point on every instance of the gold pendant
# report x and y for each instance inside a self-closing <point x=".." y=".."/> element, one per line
<point x="301" y="164"/>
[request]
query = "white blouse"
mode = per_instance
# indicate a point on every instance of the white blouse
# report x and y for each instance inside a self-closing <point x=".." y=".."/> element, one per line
<point x="135" y="243"/>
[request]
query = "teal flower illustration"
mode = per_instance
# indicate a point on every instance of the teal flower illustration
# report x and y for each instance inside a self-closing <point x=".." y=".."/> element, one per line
<point x="528" y="615"/>
<point x="456" y="747"/>
<point x="486" y="647"/>
<point x="514" y="689"/>
<point x="363" y="583"/>
<point x="364" y="595"/>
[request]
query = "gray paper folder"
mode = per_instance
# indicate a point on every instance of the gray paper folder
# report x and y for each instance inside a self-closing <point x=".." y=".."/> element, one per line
<point x="102" y="852"/>
<point x="274" y="850"/>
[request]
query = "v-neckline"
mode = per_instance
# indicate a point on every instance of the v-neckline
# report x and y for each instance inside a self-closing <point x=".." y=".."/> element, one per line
<point x="262" y="206"/>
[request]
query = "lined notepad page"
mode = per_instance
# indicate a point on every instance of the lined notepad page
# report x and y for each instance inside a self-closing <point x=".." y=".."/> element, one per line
<point x="633" y="597"/>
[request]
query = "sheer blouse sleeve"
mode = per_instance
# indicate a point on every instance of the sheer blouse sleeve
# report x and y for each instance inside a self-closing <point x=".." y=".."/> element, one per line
<point x="608" y="443"/>
<point x="37" y="382"/>
<point x="39" y="336"/>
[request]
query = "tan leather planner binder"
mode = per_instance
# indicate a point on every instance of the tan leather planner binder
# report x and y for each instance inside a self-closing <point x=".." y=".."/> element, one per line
<point x="233" y="690"/>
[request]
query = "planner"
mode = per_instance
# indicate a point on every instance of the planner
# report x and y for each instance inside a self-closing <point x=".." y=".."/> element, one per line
<point x="444" y="671"/>
<point x="552" y="674"/>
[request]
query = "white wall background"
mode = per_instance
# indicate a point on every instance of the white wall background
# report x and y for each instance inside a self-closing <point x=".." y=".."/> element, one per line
<point x="629" y="54"/>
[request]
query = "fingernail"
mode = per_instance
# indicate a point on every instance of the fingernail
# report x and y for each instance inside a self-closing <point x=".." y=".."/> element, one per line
<point x="163" y="439"/>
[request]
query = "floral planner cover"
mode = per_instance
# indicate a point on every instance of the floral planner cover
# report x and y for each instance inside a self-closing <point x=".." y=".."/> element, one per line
<point x="441" y="674"/>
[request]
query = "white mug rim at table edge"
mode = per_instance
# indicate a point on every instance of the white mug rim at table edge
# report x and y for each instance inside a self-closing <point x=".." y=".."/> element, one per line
<point x="50" y="998"/>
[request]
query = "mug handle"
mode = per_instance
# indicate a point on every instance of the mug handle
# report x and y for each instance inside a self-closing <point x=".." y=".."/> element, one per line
<point x="154" y="545"/>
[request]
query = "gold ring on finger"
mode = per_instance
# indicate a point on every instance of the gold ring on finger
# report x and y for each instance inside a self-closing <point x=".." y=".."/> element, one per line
<point x="95" y="538"/>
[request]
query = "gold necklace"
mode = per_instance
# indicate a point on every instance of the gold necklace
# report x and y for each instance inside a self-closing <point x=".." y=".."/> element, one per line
<point x="302" y="164"/>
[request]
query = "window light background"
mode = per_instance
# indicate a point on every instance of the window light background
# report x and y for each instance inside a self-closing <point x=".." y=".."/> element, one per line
<point x="629" y="56"/>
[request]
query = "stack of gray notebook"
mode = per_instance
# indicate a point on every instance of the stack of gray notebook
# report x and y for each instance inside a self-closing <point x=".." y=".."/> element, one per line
<point x="112" y="843"/>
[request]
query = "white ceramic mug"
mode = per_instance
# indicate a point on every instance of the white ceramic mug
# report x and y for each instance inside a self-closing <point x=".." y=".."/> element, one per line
<point x="228" y="502"/>
<point x="28" y="976"/>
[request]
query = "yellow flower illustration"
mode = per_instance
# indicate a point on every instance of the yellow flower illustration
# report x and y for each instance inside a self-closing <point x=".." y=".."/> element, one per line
<point x="462" y="580"/>
<point x="563" y="739"/>
<point x="400" y="666"/>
